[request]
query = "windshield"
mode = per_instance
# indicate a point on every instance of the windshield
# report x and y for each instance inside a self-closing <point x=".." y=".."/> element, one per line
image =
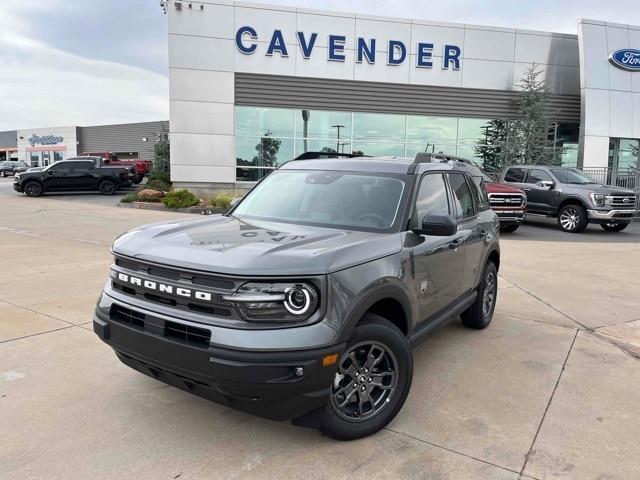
<point x="330" y="199"/>
<point x="572" y="176"/>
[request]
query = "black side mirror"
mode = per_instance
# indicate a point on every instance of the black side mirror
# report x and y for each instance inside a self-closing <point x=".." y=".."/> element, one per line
<point x="51" y="172"/>
<point x="438" y="225"/>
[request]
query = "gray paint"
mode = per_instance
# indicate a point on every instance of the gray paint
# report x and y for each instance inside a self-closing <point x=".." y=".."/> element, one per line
<point x="126" y="137"/>
<point x="9" y="139"/>
<point x="359" y="96"/>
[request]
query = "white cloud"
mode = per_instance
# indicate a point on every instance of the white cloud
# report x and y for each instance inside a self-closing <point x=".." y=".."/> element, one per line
<point x="44" y="86"/>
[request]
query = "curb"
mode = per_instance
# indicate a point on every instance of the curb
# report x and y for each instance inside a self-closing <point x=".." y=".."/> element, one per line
<point x="197" y="210"/>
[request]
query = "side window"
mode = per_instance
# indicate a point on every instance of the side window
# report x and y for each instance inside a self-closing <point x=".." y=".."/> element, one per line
<point x="432" y="197"/>
<point x="461" y="195"/>
<point x="479" y="193"/>
<point x="514" y="175"/>
<point x="536" y="175"/>
<point x="62" y="167"/>
<point x="82" y="166"/>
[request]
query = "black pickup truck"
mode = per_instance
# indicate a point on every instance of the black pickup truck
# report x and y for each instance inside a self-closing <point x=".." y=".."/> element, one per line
<point x="83" y="173"/>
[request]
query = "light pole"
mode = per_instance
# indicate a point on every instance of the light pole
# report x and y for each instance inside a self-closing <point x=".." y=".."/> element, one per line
<point x="338" y="142"/>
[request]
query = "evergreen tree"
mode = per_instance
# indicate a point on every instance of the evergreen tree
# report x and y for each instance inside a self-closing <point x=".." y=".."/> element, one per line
<point x="162" y="153"/>
<point x="492" y="147"/>
<point x="531" y="136"/>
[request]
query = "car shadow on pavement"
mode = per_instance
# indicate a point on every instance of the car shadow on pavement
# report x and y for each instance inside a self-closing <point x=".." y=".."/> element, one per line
<point x="547" y="230"/>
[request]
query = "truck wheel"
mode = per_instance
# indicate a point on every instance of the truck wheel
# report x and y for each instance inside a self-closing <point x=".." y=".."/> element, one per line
<point x="137" y="179"/>
<point x="614" y="227"/>
<point x="372" y="382"/>
<point x="573" y="218"/>
<point x="3" y="173"/>
<point x="480" y="313"/>
<point x="107" y="187"/>
<point x="509" y="228"/>
<point x="33" y="189"/>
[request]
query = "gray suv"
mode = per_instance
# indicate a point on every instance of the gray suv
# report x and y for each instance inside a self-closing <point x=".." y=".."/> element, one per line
<point x="304" y="301"/>
<point x="572" y="197"/>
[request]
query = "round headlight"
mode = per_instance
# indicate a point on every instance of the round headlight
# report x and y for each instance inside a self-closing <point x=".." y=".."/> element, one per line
<point x="297" y="300"/>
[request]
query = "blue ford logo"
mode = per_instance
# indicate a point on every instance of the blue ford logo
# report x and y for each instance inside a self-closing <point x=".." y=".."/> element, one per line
<point x="627" y="58"/>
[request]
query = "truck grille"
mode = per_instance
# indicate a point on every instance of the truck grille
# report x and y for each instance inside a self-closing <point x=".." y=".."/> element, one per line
<point x="510" y="200"/>
<point x="621" y="202"/>
<point x="214" y="287"/>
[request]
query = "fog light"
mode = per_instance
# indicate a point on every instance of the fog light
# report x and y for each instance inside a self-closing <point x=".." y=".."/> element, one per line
<point x="298" y="371"/>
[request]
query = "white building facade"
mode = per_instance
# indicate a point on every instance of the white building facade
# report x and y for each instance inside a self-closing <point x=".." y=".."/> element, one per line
<point x="253" y="86"/>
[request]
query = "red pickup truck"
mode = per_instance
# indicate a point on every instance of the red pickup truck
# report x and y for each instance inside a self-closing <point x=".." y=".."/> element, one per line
<point x="142" y="167"/>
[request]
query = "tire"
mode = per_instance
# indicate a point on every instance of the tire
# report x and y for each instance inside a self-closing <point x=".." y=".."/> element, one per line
<point x="393" y="370"/>
<point x="107" y="187"/>
<point x="573" y="218"/>
<point x="138" y="179"/>
<point x="3" y="173"/>
<point x="33" y="189"/>
<point x="480" y="313"/>
<point x="509" y="228"/>
<point x="614" y="227"/>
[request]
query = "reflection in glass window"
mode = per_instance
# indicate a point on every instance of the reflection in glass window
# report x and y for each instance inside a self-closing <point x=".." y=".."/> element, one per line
<point x="430" y="130"/>
<point x="328" y="145"/>
<point x="322" y="124"/>
<point x="379" y="149"/>
<point x="263" y="152"/>
<point x="569" y="155"/>
<point x="252" y="174"/>
<point x="277" y="122"/>
<point x="472" y="130"/>
<point x="415" y="148"/>
<point x="248" y="121"/>
<point x="379" y="126"/>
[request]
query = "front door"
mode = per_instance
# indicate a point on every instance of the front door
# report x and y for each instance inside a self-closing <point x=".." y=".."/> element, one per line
<point x="541" y="191"/>
<point x="438" y="260"/>
<point x="57" y="176"/>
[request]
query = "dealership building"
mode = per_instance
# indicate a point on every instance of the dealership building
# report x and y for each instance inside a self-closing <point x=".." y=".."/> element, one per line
<point x="252" y="86"/>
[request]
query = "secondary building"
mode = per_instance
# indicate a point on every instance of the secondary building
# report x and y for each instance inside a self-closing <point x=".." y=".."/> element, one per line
<point x="252" y="86"/>
<point x="39" y="147"/>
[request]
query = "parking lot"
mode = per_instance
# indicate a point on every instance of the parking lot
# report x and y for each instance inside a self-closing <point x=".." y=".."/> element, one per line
<point x="549" y="390"/>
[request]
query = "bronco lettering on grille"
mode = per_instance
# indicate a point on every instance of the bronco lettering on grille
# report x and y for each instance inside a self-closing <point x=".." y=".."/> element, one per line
<point x="164" y="288"/>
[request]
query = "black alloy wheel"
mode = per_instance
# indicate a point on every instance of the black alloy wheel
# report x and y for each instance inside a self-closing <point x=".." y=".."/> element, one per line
<point x="107" y="187"/>
<point x="33" y="189"/>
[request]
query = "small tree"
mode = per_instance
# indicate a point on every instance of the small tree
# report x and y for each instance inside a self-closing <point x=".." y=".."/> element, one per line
<point x="492" y="147"/>
<point x="267" y="148"/>
<point x="162" y="153"/>
<point x="529" y="137"/>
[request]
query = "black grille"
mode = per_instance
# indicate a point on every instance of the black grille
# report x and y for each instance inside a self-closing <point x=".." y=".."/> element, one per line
<point x="127" y="316"/>
<point x="187" y="333"/>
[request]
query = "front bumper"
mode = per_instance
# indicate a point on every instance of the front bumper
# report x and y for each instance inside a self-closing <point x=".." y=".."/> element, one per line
<point x="262" y="383"/>
<point x="612" y="215"/>
<point x="18" y="187"/>
<point x="510" y="216"/>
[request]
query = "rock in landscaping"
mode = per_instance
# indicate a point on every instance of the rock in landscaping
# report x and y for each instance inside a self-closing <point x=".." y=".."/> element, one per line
<point x="150" y="194"/>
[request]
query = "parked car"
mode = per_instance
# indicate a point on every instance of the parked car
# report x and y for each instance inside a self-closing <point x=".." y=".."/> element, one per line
<point x="304" y="301"/>
<point x="85" y="173"/>
<point x="11" y="167"/>
<point x="142" y="167"/>
<point x="572" y="197"/>
<point x="509" y="203"/>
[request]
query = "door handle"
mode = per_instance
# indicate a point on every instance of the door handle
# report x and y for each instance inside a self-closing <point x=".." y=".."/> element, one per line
<point x="455" y="244"/>
<point x="526" y="189"/>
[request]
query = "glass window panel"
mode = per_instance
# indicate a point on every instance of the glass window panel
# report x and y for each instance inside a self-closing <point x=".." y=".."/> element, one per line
<point x="322" y="124"/>
<point x="252" y="174"/>
<point x="472" y="130"/>
<point x="432" y="197"/>
<point x="414" y="148"/>
<point x="248" y="121"/>
<point x="277" y="122"/>
<point x="263" y="152"/>
<point x="379" y="149"/>
<point x="247" y="150"/>
<point x="378" y="126"/>
<point x="462" y="196"/>
<point x="431" y="129"/>
<point x="569" y="155"/>
<point x="327" y="145"/>
<point x="469" y="152"/>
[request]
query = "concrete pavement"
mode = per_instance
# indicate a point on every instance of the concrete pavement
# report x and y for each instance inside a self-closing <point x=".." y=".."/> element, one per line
<point x="548" y="391"/>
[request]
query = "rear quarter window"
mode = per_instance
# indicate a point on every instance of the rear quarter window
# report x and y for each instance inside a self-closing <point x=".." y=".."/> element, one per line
<point x="515" y="175"/>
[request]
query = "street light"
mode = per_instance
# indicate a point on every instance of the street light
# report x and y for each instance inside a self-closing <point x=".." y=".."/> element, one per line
<point x="338" y="142"/>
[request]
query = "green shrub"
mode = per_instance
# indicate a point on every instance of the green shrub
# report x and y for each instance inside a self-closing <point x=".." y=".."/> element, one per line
<point x="157" y="184"/>
<point x="129" y="198"/>
<point x="162" y="176"/>
<point x="180" y="199"/>
<point x="221" y="200"/>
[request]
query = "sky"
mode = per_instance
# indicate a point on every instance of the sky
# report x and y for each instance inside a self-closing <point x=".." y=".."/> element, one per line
<point x="98" y="62"/>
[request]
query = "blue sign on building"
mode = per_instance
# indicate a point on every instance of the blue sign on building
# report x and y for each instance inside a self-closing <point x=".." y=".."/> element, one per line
<point x="626" y="58"/>
<point x="365" y="49"/>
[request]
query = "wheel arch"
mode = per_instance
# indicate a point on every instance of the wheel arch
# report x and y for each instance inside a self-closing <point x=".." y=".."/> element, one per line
<point x="390" y="301"/>
<point x="571" y="200"/>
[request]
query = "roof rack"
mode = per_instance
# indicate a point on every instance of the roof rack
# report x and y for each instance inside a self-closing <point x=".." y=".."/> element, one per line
<point x="317" y="155"/>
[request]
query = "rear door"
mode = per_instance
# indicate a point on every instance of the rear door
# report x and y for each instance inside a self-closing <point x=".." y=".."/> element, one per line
<point x="82" y="176"/>
<point x="438" y="260"/>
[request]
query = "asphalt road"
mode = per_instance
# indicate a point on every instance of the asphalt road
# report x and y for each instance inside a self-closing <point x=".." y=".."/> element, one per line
<point x="549" y="390"/>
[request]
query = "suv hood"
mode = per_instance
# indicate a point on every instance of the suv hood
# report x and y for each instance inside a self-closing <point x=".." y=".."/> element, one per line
<point x="228" y="245"/>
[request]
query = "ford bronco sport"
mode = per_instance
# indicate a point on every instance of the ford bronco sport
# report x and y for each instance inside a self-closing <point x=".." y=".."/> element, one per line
<point x="303" y="302"/>
<point x="572" y="197"/>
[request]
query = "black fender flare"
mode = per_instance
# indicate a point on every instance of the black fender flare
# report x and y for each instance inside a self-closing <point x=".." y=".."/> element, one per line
<point x="381" y="289"/>
<point x="571" y="199"/>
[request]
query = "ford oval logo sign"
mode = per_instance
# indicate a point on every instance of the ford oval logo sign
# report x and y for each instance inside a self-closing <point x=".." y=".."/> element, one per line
<point x="626" y="58"/>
